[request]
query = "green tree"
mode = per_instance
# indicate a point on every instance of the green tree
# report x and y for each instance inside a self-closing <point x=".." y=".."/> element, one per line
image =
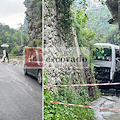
<point x="11" y="37"/>
<point x="113" y="36"/>
<point x="98" y="22"/>
<point x="85" y="36"/>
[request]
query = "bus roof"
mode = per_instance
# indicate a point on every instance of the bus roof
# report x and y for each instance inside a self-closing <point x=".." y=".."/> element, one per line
<point x="107" y="45"/>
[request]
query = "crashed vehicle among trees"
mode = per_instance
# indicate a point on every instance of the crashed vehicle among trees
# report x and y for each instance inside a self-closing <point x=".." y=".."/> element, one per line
<point x="107" y="63"/>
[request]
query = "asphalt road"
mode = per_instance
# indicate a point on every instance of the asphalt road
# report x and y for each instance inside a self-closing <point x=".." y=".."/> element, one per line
<point x="20" y="95"/>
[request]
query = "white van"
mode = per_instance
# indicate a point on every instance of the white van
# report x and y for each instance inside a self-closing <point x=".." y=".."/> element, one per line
<point x="34" y="63"/>
<point x="106" y="62"/>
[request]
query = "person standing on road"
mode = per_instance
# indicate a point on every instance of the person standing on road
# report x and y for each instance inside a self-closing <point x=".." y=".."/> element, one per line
<point x="4" y="55"/>
<point x="7" y="56"/>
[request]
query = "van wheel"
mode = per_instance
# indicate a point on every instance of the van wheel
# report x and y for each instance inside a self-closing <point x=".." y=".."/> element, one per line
<point x="39" y="77"/>
<point x="25" y="70"/>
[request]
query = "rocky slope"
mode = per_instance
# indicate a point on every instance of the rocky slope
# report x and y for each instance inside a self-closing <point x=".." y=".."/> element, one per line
<point x="34" y="23"/>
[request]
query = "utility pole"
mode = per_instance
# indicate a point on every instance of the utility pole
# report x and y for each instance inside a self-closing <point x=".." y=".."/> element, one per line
<point x="21" y="26"/>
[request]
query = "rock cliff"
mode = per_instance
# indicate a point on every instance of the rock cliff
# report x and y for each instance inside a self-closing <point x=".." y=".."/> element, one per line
<point x="34" y="23"/>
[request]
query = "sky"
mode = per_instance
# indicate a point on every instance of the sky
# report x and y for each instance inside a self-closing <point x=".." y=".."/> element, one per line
<point x="12" y="12"/>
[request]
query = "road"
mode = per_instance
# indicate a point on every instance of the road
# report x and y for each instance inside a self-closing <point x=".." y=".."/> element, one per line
<point x="112" y="102"/>
<point x="20" y="95"/>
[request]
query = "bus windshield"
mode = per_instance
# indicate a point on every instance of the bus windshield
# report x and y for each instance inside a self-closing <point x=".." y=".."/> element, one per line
<point x="101" y="53"/>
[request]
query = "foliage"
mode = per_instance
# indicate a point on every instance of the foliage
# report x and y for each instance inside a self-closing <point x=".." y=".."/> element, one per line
<point x="113" y="36"/>
<point x="37" y="3"/>
<point x="35" y="43"/>
<point x="65" y="95"/>
<point x="84" y="35"/>
<point x="98" y="21"/>
<point x="12" y="37"/>
<point x="33" y="2"/>
<point x="39" y="9"/>
<point x="64" y="10"/>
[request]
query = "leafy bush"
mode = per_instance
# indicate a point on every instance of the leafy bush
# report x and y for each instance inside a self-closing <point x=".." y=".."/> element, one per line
<point x="85" y="36"/>
<point x="65" y="95"/>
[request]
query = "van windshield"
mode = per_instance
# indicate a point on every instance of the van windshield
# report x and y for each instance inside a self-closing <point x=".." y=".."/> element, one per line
<point x="101" y="53"/>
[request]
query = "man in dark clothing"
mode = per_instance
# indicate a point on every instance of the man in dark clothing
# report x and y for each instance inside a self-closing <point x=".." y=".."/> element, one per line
<point x="7" y="55"/>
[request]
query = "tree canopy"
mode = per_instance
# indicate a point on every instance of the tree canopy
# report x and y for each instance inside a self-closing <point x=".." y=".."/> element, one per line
<point x="12" y="37"/>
